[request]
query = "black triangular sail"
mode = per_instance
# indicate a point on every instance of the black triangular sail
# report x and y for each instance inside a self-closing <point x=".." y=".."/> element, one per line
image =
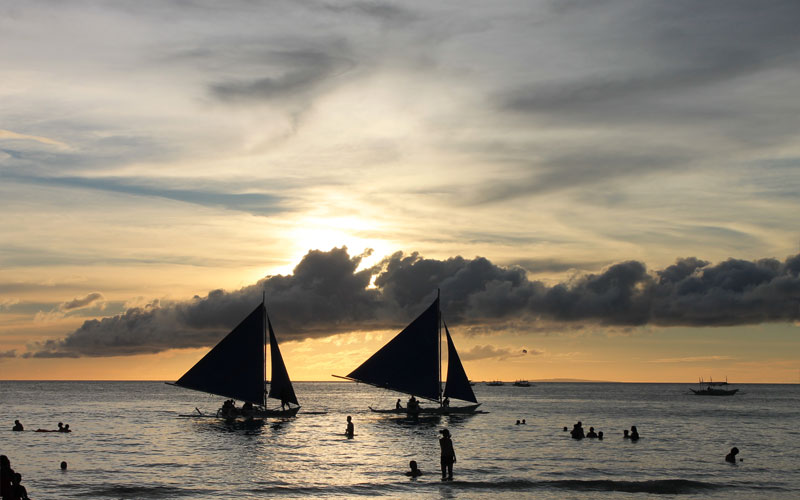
<point x="280" y="386"/>
<point x="234" y="368"/>
<point x="409" y="363"/>
<point x="457" y="385"/>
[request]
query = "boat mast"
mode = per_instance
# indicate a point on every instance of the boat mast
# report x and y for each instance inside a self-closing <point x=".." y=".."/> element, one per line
<point x="264" y="336"/>
<point x="439" y="343"/>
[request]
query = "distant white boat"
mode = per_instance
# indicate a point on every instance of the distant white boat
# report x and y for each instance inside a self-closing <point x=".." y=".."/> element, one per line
<point x="236" y="368"/>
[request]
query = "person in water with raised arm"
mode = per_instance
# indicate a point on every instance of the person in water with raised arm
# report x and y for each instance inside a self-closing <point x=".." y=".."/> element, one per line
<point x="448" y="457"/>
<point x="350" y="432"/>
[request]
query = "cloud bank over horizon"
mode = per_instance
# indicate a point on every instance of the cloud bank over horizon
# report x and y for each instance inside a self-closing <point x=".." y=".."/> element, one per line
<point x="328" y="293"/>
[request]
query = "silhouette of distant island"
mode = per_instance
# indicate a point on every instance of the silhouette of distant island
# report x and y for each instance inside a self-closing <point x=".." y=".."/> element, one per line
<point x="545" y="380"/>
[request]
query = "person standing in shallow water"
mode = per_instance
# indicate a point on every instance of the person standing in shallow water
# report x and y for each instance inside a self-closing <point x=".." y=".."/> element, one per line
<point x="448" y="455"/>
<point x="350" y="432"/>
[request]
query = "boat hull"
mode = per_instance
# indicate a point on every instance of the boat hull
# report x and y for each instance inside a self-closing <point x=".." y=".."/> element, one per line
<point x="260" y="413"/>
<point x="714" y="392"/>
<point x="429" y="411"/>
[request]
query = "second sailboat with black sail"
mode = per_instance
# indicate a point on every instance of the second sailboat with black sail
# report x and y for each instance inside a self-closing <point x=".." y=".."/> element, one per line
<point x="411" y="364"/>
<point x="236" y="368"/>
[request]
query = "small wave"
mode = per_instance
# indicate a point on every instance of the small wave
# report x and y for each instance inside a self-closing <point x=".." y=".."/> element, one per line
<point x="129" y="491"/>
<point x="364" y="489"/>
<point x="655" y="486"/>
<point x="658" y="486"/>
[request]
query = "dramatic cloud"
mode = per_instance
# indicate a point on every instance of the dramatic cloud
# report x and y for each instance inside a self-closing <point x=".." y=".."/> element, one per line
<point x="328" y="294"/>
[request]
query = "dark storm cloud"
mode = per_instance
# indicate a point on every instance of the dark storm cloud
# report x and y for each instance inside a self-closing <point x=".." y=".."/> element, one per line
<point x="327" y="294"/>
<point x="557" y="265"/>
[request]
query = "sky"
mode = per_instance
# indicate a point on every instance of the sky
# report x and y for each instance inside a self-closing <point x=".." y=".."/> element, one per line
<point x="601" y="190"/>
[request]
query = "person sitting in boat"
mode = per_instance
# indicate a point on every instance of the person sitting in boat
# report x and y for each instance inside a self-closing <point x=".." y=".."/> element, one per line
<point x="591" y="433"/>
<point x="446" y="402"/>
<point x="17" y="426"/>
<point x="414" y="472"/>
<point x="634" y="433"/>
<point x="350" y="432"/>
<point x="731" y="457"/>
<point x="65" y="428"/>
<point x="413" y="405"/>
<point x="577" y="431"/>
<point x="398" y="406"/>
<point x="247" y="407"/>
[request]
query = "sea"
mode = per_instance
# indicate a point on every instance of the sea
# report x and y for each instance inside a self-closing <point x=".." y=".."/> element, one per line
<point x="129" y="441"/>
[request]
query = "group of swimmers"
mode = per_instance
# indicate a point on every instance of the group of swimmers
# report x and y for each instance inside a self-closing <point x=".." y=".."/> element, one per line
<point x="521" y="423"/>
<point x="632" y="434"/>
<point x="577" y="432"/>
<point x="61" y="427"/>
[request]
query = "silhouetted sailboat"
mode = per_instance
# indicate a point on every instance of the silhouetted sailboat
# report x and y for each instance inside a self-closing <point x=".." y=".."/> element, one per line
<point x="236" y="367"/>
<point x="411" y="363"/>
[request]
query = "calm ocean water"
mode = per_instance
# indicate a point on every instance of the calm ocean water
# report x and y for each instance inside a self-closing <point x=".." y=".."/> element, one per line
<point x="129" y="443"/>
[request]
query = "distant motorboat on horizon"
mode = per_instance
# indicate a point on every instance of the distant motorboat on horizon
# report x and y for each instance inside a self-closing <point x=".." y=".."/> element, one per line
<point x="712" y="388"/>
